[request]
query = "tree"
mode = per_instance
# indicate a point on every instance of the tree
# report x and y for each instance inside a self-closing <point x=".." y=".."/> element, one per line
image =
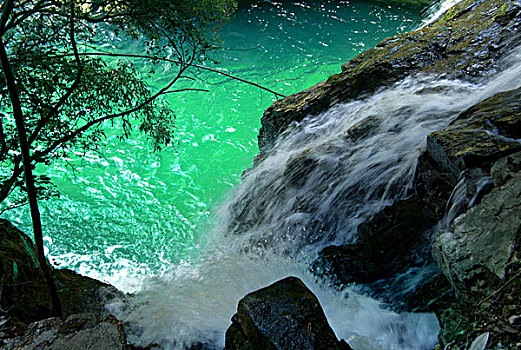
<point x="58" y="94"/>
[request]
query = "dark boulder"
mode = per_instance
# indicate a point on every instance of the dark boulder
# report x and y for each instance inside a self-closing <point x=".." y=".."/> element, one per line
<point x="284" y="315"/>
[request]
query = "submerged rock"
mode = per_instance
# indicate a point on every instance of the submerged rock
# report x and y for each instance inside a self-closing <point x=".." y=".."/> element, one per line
<point x="284" y="315"/>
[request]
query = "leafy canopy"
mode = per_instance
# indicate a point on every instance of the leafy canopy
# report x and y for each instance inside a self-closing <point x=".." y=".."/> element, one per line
<point x="69" y="95"/>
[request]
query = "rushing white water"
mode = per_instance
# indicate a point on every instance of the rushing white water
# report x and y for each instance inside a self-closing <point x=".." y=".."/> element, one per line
<point x="320" y="180"/>
<point x="437" y="10"/>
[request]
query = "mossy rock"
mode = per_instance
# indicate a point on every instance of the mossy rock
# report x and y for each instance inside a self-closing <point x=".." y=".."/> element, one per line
<point x="466" y="44"/>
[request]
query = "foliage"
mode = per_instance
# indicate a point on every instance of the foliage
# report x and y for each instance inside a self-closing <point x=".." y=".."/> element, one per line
<point x="69" y="95"/>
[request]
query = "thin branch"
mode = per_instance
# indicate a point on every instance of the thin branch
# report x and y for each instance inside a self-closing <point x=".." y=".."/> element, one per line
<point x="497" y="291"/>
<point x="21" y="16"/>
<point x="3" y="146"/>
<point x="7" y="186"/>
<point x="54" y="111"/>
<point x="13" y="207"/>
<point x="6" y="12"/>
<point x="180" y="62"/>
<point x="187" y="89"/>
<point x="40" y="154"/>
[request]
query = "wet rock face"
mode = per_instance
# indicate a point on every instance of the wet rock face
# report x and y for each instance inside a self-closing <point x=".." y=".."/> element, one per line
<point x="479" y="136"/>
<point x="461" y="164"/>
<point x="285" y="315"/>
<point x="480" y="255"/>
<point x="465" y="43"/>
<point x="481" y="250"/>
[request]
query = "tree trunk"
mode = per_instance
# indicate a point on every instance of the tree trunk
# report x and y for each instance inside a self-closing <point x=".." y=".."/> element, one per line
<point x="29" y="178"/>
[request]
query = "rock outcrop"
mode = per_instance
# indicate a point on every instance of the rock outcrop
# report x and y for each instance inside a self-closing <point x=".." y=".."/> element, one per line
<point x="284" y="315"/>
<point x="24" y="298"/>
<point x="480" y="255"/>
<point x="465" y="43"/>
<point x="83" y="331"/>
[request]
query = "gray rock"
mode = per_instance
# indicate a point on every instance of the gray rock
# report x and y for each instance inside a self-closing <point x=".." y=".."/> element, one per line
<point x="476" y="252"/>
<point x="75" y="332"/>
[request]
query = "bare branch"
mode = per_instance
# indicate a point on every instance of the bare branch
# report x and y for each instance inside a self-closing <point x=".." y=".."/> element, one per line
<point x="14" y="207"/>
<point x="187" y="89"/>
<point x="277" y="94"/>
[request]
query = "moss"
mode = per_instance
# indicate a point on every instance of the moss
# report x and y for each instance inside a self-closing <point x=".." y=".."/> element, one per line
<point x="448" y="16"/>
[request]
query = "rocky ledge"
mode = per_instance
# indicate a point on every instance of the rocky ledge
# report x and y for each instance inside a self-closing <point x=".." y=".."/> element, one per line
<point x="465" y="43"/>
<point x="25" y="312"/>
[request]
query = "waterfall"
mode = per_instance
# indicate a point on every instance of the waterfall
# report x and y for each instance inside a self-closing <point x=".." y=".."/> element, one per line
<point x="323" y="176"/>
<point x="437" y="9"/>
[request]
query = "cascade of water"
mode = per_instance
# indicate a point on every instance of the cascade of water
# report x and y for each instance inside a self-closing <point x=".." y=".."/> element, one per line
<point x="437" y="9"/>
<point x="322" y="177"/>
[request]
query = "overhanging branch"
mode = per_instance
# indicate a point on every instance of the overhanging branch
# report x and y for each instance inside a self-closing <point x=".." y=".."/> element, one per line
<point x="277" y="94"/>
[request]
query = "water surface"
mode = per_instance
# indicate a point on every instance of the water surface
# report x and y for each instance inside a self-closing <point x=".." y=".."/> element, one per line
<point x="132" y="212"/>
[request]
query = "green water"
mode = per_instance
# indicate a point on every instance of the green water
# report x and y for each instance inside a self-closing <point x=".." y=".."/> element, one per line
<point x="131" y="211"/>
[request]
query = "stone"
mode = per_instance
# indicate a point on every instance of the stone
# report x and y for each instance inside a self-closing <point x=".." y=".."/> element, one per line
<point x="82" y="331"/>
<point x="479" y="136"/>
<point x="284" y="315"/>
<point x="476" y="252"/>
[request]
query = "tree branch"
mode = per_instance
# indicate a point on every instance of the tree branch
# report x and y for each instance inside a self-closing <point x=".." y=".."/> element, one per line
<point x="40" y="154"/>
<point x="7" y="8"/>
<point x="277" y="94"/>
<point x="54" y="111"/>
<point x="187" y="89"/>
<point x="13" y="207"/>
<point x="3" y="145"/>
<point x="7" y="186"/>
